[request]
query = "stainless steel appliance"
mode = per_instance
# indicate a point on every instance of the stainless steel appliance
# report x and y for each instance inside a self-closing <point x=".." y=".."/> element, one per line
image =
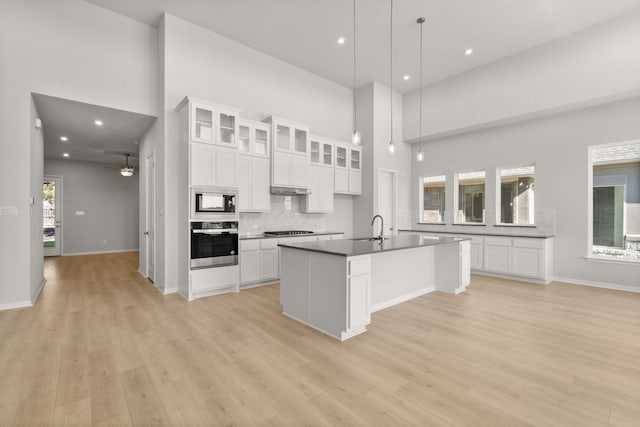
<point x="214" y="203"/>
<point x="214" y="244"/>
<point x="287" y="233"/>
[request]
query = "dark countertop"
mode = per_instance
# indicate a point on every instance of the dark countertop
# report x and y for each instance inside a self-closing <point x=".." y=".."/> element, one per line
<point x="247" y="236"/>
<point x="477" y="233"/>
<point x="354" y="247"/>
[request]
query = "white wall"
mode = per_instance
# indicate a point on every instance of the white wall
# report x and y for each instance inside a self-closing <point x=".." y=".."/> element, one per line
<point x="558" y="146"/>
<point x="69" y="49"/>
<point x="599" y="63"/>
<point x="207" y="65"/>
<point x="110" y="204"/>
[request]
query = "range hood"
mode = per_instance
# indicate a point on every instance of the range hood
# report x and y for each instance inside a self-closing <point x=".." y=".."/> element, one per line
<point x="290" y="191"/>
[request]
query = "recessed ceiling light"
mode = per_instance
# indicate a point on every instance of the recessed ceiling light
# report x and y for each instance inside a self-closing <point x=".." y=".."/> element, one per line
<point x="406" y="77"/>
<point x="98" y="122"/>
<point x="65" y="154"/>
<point x="468" y="51"/>
<point x="64" y="139"/>
<point x="341" y="40"/>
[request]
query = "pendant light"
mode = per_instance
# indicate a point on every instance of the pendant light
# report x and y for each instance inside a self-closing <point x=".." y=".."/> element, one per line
<point x="392" y="146"/>
<point x="420" y="155"/>
<point x="126" y="169"/>
<point x="355" y="137"/>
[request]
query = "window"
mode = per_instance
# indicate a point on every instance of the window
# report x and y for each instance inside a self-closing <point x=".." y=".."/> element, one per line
<point x="615" y="201"/>
<point x="516" y="195"/>
<point x="471" y="190"/>
<point x="432" y="198"/>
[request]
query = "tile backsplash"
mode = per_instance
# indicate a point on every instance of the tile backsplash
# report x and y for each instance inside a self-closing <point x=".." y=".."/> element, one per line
<point x="285" y="215"/>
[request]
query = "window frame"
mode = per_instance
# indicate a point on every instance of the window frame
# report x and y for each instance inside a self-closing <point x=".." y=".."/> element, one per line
<point x="590" y="256"/>
<point x="498" y="198"/>
<point x="456" y="197"/>
<point x="421" y="200"/>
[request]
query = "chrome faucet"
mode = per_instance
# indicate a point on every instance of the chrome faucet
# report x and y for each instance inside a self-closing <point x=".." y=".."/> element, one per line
<point x="381" y="225"/>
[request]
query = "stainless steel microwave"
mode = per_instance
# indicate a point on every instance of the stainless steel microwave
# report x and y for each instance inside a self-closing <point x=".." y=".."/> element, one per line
<point x="214" y="203"/>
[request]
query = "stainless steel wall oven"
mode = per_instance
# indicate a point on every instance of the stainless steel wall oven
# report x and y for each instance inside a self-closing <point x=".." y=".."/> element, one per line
<point x="214" y="244"/>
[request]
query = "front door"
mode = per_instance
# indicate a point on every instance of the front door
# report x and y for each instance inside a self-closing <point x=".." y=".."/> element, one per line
<point x="51" y="214"/>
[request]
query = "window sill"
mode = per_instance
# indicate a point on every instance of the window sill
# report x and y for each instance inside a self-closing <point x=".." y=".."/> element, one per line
<point x="612" y="260"/>
<point x="476" y="224"/>
<point x="432" y="223"/>
<point x="516" y="225"/>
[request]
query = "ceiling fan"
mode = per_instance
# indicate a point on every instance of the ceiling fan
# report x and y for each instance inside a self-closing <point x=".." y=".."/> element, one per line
<point x="126" y="170"/>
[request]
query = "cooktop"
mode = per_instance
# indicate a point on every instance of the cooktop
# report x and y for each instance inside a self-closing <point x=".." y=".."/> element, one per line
<point x="287" y="232"/>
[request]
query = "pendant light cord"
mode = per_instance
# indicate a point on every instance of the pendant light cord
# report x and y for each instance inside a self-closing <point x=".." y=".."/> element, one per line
<point x="391" y="68"/>
<point x="355" y="100"/>
<point x="421" y="20"/>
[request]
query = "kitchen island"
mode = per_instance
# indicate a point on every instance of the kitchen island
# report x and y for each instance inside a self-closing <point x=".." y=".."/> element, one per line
<point x="334" y="286"/>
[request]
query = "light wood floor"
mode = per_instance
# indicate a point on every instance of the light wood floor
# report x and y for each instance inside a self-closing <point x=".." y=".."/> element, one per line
<point x="103" y="347"/>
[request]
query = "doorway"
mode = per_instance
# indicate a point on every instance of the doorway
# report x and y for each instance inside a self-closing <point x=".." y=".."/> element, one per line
<point x="149" y="233"/>
<point x="51" y="215"/>
<point x="387" y="202"/>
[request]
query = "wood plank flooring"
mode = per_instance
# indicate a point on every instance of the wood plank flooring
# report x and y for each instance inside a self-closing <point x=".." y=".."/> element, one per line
<point x="103" y="347"/>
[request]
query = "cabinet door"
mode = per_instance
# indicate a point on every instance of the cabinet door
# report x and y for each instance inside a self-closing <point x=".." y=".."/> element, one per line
<point x="341" y="157"/>
<point x="476" y="256"/>
<point x="203" y="121"/>
<point x="358" y="304"/>
<point x="314" y="151"/>
<point x="313" y="201"/>
<point x="261" y="140"/>
<point x="244" y="138"/>
<point x="268" y="264"/>
<point x="249" y="266"/>
<point x="283" y="137"/>
<point x="261" y="197"/>
<point x="245" y="183"/>
<point x="301" y="141"/>
<point x="202" y="164"/>
<point x="354" y="157"/>
<point x="226" y="167"/>
<point x="281" y="168"/>
<point x="227" y="128"/>
<point x="326" y="189"/>
<point x="496" y="258"/>
<point x="327" y="154"/>
<point x="299" y="171"/>
<point x="355" y="182"/>
<point x="528" y="262"/>
<point x="341" y="180"/>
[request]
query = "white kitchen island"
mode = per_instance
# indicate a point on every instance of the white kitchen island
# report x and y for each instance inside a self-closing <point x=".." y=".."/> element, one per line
<point x="334" y="286"/>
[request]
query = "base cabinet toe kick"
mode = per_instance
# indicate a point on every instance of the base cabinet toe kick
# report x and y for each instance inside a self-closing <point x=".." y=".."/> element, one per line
<point x="336" y="293"/>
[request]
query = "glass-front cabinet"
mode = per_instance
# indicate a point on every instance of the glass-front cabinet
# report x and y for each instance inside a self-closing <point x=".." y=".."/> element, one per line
<point x="253" y="138"/>
<point x="355" y="159"/>
<point x="341" y="157"/>
<point x="320" y="151"/>
<point x="289" y="136"/>
<point x="212" y="124"/>
<point x="348" y="169"/>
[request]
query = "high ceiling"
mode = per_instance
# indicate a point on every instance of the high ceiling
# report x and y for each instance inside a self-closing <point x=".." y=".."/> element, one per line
<point x="86" y="141"/>
<point x="304" y="32"/>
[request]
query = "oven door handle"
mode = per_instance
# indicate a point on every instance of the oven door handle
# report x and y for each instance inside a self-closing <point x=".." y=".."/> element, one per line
<point x="225" y="231"/>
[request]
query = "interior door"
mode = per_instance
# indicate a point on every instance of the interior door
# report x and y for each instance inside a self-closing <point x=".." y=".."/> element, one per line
<point x="150" y="218"/>
<point x="386" y="202"/>
<point x="51" y="214"/>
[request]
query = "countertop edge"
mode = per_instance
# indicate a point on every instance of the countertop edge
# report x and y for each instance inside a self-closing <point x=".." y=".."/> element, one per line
<point x="262" y="236"/>
<point x="533" y="236"/>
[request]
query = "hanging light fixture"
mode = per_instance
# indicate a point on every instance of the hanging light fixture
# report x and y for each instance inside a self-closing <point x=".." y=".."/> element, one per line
<point x="420" y="155"/>
<point x="392" y="146"/>
<point x="355" y="137"/>
<point x="126" y="169"/>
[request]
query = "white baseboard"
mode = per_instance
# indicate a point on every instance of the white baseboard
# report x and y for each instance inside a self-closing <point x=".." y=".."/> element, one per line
<point x="100" y="252"/>
<point x="591" y="283"/>
<point x="168" y="291"/>
<point x="142" y="272"/>
<point x="400" y="299"/>
<point x="37" y="294"/>
<point x="510" y="277"/>
<point x="18" y="304"/>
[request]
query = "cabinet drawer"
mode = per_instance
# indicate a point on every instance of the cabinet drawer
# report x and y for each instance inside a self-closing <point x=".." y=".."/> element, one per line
<point x="498" y="241"/>
<point x="528" y="243"/>
<point x="249" y="245"/>
<point x="214" y="278"/>
<point x="268" y="243"/>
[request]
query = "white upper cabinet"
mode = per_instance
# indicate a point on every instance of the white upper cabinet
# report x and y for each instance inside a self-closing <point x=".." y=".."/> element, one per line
<point x="289" y="136"/>
<point x="348" y="169"/>
<point x="320" y="151"/>
<point x="212" y="124"/>
<point x="254" y="138"/>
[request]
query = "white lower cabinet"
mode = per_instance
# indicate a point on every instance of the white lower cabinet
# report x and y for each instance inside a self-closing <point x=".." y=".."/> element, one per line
<point x="268" y="261"/>
<point x="497" y="254"/>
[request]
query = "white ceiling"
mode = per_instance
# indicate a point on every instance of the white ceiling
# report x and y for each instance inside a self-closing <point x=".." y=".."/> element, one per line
<point x="304" y="32"/>
<point x="86" y="141"/>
